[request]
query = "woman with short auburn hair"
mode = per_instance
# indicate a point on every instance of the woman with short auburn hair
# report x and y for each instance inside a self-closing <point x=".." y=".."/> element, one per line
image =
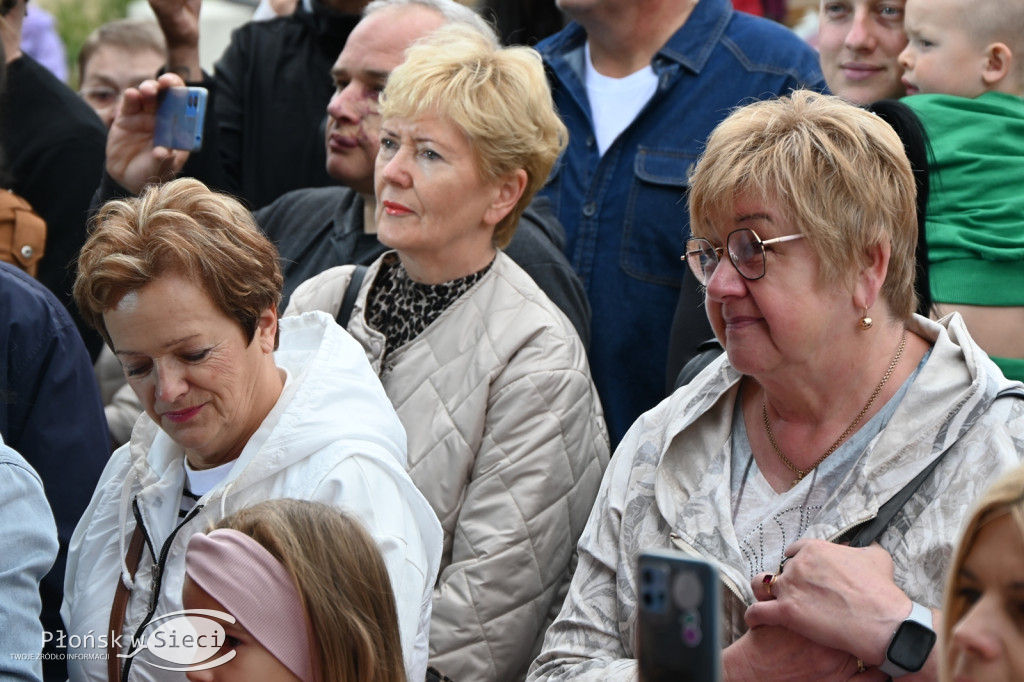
<point x="239" y="408"/>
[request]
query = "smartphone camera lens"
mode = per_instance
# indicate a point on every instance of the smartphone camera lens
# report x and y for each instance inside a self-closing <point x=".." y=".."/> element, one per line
<point x="654" y="588"/>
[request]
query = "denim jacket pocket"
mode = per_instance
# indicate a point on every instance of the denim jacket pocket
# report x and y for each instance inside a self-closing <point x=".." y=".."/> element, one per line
<point x="657" y="219"/>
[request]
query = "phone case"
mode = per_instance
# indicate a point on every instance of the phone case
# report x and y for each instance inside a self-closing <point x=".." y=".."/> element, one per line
<point x="179" y="119"/>
<point x="678" y="601"/>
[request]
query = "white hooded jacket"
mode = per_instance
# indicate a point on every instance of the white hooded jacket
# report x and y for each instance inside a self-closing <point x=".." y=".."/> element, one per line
<point x="332" y="437"/>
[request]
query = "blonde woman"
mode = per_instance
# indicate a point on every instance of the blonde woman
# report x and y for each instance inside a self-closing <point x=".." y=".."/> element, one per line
<point x="983" y="630"/>
<point x="506" y="434"/>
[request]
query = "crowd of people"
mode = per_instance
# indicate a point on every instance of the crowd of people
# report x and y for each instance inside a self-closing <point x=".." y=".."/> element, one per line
<point x="397" y="377"/>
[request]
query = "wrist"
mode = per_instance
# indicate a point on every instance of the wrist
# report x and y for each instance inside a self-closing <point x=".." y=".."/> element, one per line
<point x="912" y="644"/>
<point x="884" y="629"/>
<point x="184" y="61"/>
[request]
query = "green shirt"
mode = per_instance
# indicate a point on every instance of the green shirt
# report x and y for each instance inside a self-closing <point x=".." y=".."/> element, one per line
<point x="975" y="221"/>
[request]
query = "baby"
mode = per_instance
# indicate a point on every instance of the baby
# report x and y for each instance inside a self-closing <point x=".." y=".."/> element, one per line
<point x="964" y="72"/>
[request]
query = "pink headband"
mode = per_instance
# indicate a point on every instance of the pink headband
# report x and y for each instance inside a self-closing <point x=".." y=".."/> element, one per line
<point x="256" y="589"/>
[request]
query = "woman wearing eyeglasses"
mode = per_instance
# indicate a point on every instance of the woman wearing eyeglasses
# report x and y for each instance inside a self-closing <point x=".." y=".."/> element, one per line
<point x="831" y="398"/>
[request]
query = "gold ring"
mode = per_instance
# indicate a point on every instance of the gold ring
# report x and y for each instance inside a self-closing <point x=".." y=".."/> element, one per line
<point x="860" y="666"/>
<point x="769" y="583"/>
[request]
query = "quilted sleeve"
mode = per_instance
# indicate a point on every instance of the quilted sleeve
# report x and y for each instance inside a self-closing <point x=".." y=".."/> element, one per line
<point x="586" y="640"/>
<point x="532" y="486"/>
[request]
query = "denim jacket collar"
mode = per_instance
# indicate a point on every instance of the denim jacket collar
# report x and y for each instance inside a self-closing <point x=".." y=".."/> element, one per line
<point x="691" y="46"/>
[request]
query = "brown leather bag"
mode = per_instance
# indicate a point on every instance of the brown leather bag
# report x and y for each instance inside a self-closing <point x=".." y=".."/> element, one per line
<point x="22" y="233"/>
<point x="120" y="605"/>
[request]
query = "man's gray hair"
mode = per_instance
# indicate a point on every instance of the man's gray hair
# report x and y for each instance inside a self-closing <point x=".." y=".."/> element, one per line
<point x="453" y="13"/>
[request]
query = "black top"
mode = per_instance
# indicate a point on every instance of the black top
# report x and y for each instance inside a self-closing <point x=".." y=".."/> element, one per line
<point x="402" y="308"/>
<point x="55" y="149"/>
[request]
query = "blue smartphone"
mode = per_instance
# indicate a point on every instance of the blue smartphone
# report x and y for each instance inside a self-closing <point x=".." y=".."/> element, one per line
<point x="678" y="621"/>
<point x="179" y="118"/>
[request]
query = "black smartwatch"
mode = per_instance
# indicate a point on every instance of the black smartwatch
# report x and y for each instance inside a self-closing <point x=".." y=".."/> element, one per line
<point x="911" y="644"/>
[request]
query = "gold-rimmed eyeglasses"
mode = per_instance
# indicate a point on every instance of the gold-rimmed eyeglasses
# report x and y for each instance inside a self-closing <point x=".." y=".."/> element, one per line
<point x="746" y="251"/>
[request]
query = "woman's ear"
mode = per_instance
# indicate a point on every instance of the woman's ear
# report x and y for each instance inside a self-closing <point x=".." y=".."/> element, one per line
<point x="871" y="276"/>
<point x="510" y="189"/>
<point x="998" y="58"/>
<point x="266" y="330"/>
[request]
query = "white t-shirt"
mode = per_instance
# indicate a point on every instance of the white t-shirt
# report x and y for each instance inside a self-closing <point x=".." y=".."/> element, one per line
<point x="203" y="481"/>
<point x="615" y="102"/>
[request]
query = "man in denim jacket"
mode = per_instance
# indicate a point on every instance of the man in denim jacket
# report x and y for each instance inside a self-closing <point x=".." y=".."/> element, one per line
<point x="640" y="86"/>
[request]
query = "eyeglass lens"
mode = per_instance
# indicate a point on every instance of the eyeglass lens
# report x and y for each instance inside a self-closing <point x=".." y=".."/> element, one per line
<point x="745" y="251"/>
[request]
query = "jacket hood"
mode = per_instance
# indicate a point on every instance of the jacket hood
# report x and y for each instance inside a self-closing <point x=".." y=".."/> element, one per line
<point x="341" y="400"/>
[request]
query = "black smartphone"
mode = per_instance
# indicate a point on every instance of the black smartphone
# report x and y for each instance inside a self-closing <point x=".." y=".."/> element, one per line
<point x="179" y="118"/>
<point x="678" y="621"/>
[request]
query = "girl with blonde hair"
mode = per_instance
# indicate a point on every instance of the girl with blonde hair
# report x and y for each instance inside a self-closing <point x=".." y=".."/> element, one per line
<point x="983" y="631"/>
<point x="309" y="591"/>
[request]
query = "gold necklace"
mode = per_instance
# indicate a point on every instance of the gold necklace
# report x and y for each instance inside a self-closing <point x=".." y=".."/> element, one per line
<point x="800" y="473"/>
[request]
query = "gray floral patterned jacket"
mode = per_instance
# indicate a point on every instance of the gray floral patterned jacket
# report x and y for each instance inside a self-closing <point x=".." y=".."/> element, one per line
<point x="668" y="485"/>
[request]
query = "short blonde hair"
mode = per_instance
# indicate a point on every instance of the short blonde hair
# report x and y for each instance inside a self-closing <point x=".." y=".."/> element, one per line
<point x="996" y="21"/>
<point x="499" y="98"/>
<point x="181" y="226"/>
<point x="838" y="172"/>
<point x="1004" y="497"/>
<point x="342" y="581"/>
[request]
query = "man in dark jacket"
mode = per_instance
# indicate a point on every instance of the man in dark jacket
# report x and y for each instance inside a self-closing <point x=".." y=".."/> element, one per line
<point x="50" y="412"/>
<point x="262" y="134"/>
<point x="53" y="147"/>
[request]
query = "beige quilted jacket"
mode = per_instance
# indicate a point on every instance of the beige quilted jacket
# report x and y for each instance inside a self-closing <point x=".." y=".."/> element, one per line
<point x="508" y="444"/>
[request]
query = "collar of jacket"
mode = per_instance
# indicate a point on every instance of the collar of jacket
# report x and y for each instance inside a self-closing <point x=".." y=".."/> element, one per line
<point x="330" y="27"/>
<point x="691" y="46"/>
<point x="955" y="385"/>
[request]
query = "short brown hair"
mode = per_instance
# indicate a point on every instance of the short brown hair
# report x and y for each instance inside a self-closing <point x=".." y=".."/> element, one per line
<point x="134" y="35"/>
<point x="181" y="226"/>
<point x="498" y="96"/>
<point x="342" y="581"/>
<point x="838" y="172"/>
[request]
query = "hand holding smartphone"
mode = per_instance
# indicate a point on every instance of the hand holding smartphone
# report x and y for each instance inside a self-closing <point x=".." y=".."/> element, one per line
<point x="678" y="621"/>
<point x="179" y="118"/>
